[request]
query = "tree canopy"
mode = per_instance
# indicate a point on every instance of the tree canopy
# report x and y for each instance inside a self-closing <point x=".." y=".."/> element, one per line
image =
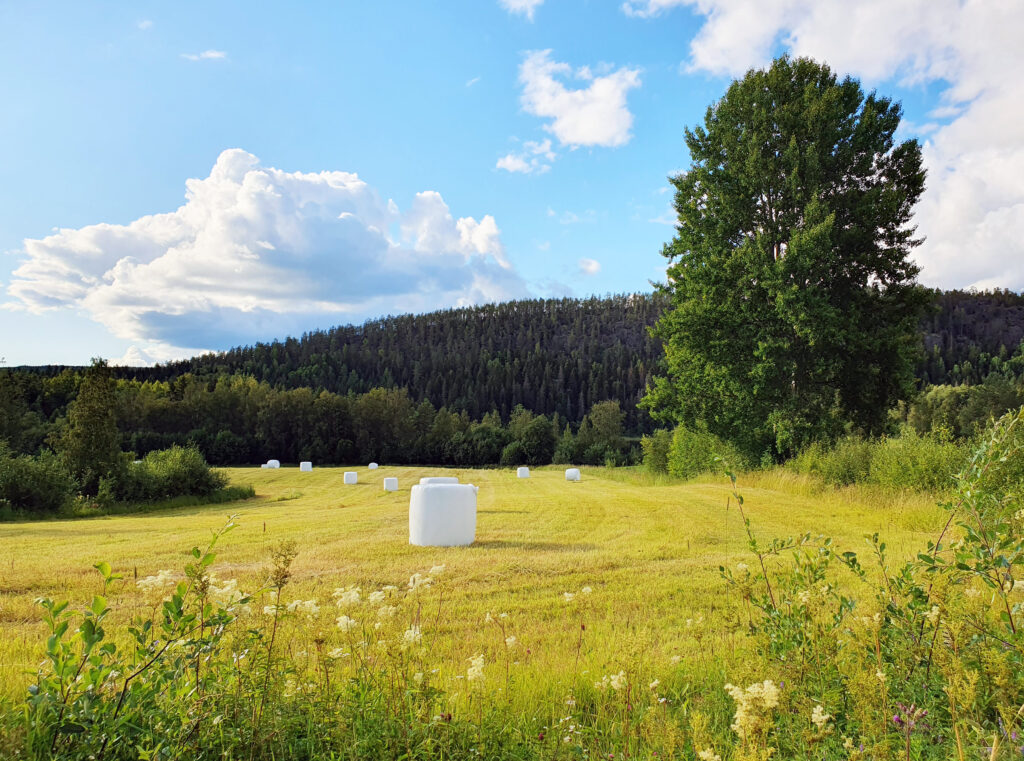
<point x="794" y="304"/>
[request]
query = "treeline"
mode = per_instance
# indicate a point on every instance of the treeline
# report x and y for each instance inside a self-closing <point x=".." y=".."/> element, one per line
<point x="237" y="420"/>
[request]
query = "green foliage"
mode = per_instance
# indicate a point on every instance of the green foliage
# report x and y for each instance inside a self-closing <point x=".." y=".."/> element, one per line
<point x="846" y="462"/>
<point x="964" y="411"/>
<point x="794" y="307"/>
<point x="656" y="448"/>
<point x="912" y="461"/>
<point x="178" y="471"/>
<point x="89" y="442"/>
<point x="694" y="452"/>
<point x="34" y="485"/>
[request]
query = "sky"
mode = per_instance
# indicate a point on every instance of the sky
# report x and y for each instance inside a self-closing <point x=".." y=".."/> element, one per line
<point x="179" y="178"/>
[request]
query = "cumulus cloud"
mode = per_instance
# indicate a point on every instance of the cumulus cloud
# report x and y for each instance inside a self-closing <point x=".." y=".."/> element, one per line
<point x="535" y="157"/>
<point x="594" y="114"/>
<point x="521" y="7"/>
<point x="973" y="209"/>
<point x="206" y="55"/>
<point x="589" y="266"/>
<point x="257" y="252"/>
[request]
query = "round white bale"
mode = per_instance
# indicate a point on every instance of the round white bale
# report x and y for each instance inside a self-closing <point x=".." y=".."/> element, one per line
<point x="523" y="473"/>
<point x="372" y="466"/>
<point x="572" y="474"/>
<point x="439" y="480"/>
<point x="306" y="466"/>
<point x="273" y="463"/>
<point x="264" y="466"/>
<point x="390" y="484"/>
<point x="351" y="477"/>
<point x="442" y="515"/>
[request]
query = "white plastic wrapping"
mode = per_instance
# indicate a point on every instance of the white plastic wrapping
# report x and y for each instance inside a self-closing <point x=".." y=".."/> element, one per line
<point x="442" y="515"/>
<point x="439" y="480"/>
<point x="306" y="466"/>
<point x="273" y="463"/>
<point x="351" y="477"/>
<point x="572" y="474"/>
<point x="523" y="473"/>
<point x="372" y="466"/>
<point x="390" y="484"/>
<point x="264" y="466"/>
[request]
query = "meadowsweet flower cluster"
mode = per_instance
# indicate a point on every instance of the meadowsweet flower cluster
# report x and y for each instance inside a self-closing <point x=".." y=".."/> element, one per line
<point x="616" y="682"/>
<point x="346" y="624"/>
<point x="821" y="720"/>
<point x="475" y="672"/>
<point x="708" y="754"/>
<point x="347" y="596"/>
<point x="753" y="707"/>
<point x="413" y="635"/>
<point x="418" y="581"/>
<point x="161" y="580"/>
<point x="305" y="607"/>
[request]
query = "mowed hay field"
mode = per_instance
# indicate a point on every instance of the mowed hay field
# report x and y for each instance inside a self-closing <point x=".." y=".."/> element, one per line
<point x="649" y="550"/>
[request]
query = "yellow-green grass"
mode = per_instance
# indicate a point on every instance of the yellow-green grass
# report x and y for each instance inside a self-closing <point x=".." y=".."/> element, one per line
<point x="650" y="550"/>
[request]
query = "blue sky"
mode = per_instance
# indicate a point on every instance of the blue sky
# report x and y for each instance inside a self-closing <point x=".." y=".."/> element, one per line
<point x="352" y="159"/>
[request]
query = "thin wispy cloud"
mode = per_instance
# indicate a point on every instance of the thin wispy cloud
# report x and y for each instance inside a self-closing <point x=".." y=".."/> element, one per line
<point x="534" y="158"/>
<point x="473" y="81"/>
<point x="206" y="55"/>
<point x="145" y="24"/>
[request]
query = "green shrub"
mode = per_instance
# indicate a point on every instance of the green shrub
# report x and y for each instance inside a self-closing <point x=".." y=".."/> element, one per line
<point x="34" y="485"/>
<point x="694" y="452"/>
<point x="656" y="448"/>
<point x="913" y="461"/>
<point x="164" y="474"/>
<point x="513" y="454"/>
<point x="847" y="462"/>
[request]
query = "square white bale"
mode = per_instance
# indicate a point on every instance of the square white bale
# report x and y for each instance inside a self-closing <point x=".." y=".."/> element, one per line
<point x="306" y="466"/>
<point x="442" y="515"/>
<point x="390" y="484"/>
<point x="523" y="473"/>
<point x="572" y="474"/>
<point x="351" y="477"/>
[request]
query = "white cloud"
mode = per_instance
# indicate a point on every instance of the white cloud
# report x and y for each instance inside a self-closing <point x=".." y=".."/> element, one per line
<point x="206" y="55"/>
<point x="473" y="81"/>
<point x="256" y="253"/>
<point x="973" y="208"/>
<point x="535" y="157"/>
<point x="522" y="7"/>
<point x="593" y="115"/>
<point x="145" y="24"/>
<point x="589" y="266"/>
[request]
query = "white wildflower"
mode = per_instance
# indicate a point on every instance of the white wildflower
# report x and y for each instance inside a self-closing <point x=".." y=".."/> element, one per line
<point x="160" y="580"/>
<point x="387" y="611"/>
<point x="618" y="681"/>
<point x="742" y="567"/>
<point x="347" y="624"/>
<point x="437" y="570"/>
<point x="654" y="684"/>
<point x="413" y="635"/>
<point x="418" y="580"/>
<point x="475" y="673"/>
<point x="306" y="607"/>
<point x="820" y="719"/>
<point x="586" y="591"/>
<point x="376" y="597"/>
<point x="932" y="615"/>
<point x="568" y="596"/>
<point x="418" y="677"/>
<point x="708" y="754"/>
<point x="347" y="596"/>
<point x="510" y="641"/>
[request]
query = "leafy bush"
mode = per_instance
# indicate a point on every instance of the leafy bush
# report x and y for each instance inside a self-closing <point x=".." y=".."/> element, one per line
<point x="178" y="471"/>
<point x="656" y="448"/>
<point x="34" y="485"/>
<point x="847" y="462"/>
<point x="912" y="461"/>
<point x="694" y="452"/>
<point x="513" y="454"/>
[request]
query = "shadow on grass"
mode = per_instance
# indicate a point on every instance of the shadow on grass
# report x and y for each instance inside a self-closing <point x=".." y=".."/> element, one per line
<point x="503" y="512"/>
<point x="498" y="544"/>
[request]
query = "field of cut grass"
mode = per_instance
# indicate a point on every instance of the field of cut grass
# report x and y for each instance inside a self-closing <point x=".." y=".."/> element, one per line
<point x="649" y="550"/>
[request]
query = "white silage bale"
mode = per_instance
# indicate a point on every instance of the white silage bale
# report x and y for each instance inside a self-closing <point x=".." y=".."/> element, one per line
<point x="372" y="466"/>
<point x="305" y="466"/>
<point x="273" y="463"/>
<point x="390" y="484"/>
<point x="442" y="515"/>
<point x="572" y="474"/>
<point x="351" y="477"/>
<point x="439" y="480"/>
<point x="264" y="466"/>
<point x="523" y="473"/>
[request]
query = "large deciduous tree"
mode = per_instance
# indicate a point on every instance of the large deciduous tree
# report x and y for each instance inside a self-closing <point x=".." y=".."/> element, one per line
<point x="795" y="306"/>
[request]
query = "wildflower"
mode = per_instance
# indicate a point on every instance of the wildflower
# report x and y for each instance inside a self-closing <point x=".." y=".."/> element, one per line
<point x="387" y="611"/>
<point x="347" y="596"/>
<point x="376" y="597"/>
<point x="675" y="659"/>
<point x="618" y="681"/>
<point x="389" y="588"/>
<point x="820" y="719"/>
<point x="347" y="624"/>
<point x="418" y="580"/>
<point x="847" y="743"/>
<point x="654" y="684"/>
<point x="337" y="653"/>
<point x="972" y="592"/>
<point x="160" y="580"/>
<point x="412" y="635"/>
<point x="273" y="610"/>
<point x="708" y="754"/>
<point x="804" y="597"/>
<point x="881" y="675"/>
<point x="503" y="615"/>
<point x="488" y="619"/>
<point x="742" y="567"/>
<point x="510" y="641"/>
<point x="437" y="570"/>
<point x="932" y="615"/>
<point x="752" y="704"/>
<point x="418" y="677"/>
<point x="308" y="607"/>
<point x="568" y="596"/>
<point x="586" y="591"/>
<point x="475" y="673"/>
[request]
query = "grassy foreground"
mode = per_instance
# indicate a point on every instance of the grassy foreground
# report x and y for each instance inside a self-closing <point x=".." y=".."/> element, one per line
<point x="649" y="550"/>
